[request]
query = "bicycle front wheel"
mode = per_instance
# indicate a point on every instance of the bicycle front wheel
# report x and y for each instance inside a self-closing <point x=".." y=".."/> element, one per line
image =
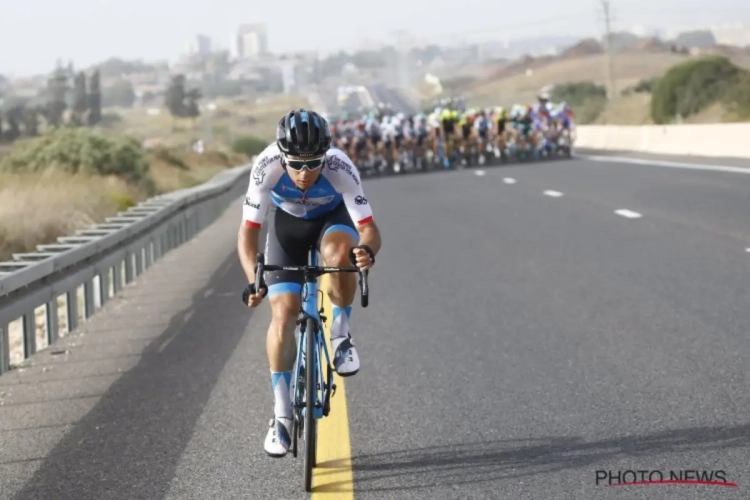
<point x="311" y="370"/>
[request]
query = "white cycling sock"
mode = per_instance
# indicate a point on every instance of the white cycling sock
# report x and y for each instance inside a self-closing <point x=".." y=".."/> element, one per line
<point x="340" y="323"/>
<point x="280" y="382"/>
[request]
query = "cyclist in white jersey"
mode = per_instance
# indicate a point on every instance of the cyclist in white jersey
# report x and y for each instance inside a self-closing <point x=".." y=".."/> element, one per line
<point x="317" y="198"/>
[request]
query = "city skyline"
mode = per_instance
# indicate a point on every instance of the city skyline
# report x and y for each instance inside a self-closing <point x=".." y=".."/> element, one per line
<point x="140" y="31"/>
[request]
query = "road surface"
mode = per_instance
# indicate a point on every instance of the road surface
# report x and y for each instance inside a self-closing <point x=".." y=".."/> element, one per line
<point x="399" y="102"/>
<point x="529" y="326"/>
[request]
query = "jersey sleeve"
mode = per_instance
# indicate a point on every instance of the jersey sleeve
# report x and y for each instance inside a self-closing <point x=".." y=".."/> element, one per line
<point x="345" y="178"/>
<point x="258" y="196"/>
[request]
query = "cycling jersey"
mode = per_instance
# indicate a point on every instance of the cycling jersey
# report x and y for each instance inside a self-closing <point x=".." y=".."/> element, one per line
<point x="338" y="182"/>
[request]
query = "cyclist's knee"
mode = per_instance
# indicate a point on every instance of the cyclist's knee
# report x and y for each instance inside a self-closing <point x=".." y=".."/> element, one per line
<point x="335" y="249"/>
<point x="284" y="309"/>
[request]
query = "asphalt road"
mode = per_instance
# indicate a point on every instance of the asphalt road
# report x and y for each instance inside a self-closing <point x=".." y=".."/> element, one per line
<point x="385" y="94"/>
<point x="521" y="337"/>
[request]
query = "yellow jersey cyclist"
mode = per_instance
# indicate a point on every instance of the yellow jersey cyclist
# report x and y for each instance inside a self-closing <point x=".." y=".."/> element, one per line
<point x="316" y="195"/>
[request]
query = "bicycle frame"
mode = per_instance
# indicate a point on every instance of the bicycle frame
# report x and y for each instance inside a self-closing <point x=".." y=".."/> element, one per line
<point x="309" y="310"/>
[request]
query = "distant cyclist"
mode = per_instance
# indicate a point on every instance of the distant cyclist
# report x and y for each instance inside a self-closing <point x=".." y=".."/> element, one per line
<point x="318" y="201"/>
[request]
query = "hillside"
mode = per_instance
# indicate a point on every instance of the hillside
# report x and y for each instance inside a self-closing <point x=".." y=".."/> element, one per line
<point x="513" y="83"/>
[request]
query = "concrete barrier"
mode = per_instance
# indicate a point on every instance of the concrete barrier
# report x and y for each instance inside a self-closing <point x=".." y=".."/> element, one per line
<point x="714" y="140"/>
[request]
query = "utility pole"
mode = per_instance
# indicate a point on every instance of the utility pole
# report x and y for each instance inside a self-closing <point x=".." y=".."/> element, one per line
<point x="608" y="50"/>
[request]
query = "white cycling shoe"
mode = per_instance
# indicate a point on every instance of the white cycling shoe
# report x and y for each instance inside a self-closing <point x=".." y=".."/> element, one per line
<point x="345" y="357"/>
<point x="278" y="439"/>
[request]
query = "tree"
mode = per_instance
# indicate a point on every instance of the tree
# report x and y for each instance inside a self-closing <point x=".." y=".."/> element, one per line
<point x="192" y="110"/>
<point x="95" y="99"/>
<point x="80" y="100"/>
<point x="14" y="117"/>
<point x="174" y="98"/>
<point x="31" y="121"/>
<point x="119" y="94"/>
<point x="57" y="91"/>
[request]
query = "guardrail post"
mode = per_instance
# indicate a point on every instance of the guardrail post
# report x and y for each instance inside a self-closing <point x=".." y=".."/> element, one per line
<point x="129" y="267"/>
<point x="29" y="334"/>
<point x="117" y="275"/>
<point x="71" y="303"/>
<point x="53" y="331"/>
<point x="104" y="286"/>
<point x="139" y="260"/>
<point x="88" y="298"/>
<point x="4" y="348"/>
<point x="151" y="252"/>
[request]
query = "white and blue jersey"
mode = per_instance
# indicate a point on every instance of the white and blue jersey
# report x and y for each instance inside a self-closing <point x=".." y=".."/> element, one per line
<point x="339" y="181"/>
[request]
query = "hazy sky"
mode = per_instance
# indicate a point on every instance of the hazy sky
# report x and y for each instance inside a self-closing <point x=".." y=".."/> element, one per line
<point x="34" y="33"/>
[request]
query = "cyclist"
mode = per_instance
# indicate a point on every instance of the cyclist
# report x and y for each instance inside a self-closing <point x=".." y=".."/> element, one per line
<point x="318" y="198"/>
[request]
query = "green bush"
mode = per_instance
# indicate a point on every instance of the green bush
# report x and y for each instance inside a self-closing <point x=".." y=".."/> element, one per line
<point x="576" y="93"/>
<point x="738" y="98"/>
<point x="79" y="150"/>
<point x="122" y="201"/>
<point x="587" y="98"/>
<point x="692" y="86"/>
<point x="249" y="145"/>
<point x="646" y="85"/>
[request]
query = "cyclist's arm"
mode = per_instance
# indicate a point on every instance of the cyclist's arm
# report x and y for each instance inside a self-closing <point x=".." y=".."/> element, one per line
<point x="348" y="183"/>
<point x="254" y="209"/>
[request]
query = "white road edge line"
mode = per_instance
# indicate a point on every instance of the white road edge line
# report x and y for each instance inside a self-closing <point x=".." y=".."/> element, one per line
<point x="554" y="194"/>
<point x="628" y="213"/>
<point x="668" y="164"/>
<point x="509" y="180"/>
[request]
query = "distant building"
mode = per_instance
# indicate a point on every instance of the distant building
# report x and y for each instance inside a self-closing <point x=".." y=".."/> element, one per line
<point x="251" y="42"/>
<point x="199" y="45"/>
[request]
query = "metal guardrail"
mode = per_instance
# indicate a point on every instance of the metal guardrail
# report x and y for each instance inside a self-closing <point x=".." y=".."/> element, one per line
<point x="103" y="258"/>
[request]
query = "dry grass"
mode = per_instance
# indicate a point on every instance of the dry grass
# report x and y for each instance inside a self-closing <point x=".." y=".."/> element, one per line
<point x="634" y="109"/>
<point x="36" y="209"/>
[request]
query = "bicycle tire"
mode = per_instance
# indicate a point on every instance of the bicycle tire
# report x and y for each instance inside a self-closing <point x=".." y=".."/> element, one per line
<point x="310" y="395"/>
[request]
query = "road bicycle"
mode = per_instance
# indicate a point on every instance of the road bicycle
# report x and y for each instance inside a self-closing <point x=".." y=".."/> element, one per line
<point x="318" y="379"/>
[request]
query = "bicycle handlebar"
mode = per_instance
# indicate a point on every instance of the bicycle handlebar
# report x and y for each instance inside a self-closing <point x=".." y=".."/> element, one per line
<point x="311" y="272"/>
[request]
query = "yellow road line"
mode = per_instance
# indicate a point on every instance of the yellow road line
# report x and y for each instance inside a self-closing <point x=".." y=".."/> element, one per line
<point x="333" y="478"/>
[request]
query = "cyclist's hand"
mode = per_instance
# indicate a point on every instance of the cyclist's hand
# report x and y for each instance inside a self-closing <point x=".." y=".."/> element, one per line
<point x="363" y="257"/>
<point x="252" y="297"/>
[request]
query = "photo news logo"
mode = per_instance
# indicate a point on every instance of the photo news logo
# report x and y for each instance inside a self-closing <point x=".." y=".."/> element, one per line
<point x="662" y="477"/>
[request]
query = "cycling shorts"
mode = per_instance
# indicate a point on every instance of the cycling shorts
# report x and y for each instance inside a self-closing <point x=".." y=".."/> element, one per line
<point x="289" y="239"/>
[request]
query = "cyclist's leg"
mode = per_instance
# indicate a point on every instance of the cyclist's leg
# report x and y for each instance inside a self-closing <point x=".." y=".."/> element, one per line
<point x="286" y="242"/>
<point x="338" y="237"/>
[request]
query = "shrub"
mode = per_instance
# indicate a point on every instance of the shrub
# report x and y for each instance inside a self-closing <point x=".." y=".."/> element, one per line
<point x="79" y="151"/>
<point x="576" y="93"/>
<point x="122" y="201"/>
<point x="738" y="98"/>
<point x="646" y="85"/>
<point x="249" y="145"/>
<point x="692" y="86"/>
<point x="587" y="98"/>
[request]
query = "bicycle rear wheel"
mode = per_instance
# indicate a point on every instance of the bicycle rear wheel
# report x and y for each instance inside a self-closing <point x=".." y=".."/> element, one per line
<point x="310" y="396"/>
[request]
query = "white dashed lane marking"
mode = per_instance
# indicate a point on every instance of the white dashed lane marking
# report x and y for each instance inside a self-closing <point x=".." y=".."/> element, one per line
<point x="628" y="213"/>
<point x="509" y="180"/>
<point x="479" y="173"/>
<point x="554" y="194"/>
